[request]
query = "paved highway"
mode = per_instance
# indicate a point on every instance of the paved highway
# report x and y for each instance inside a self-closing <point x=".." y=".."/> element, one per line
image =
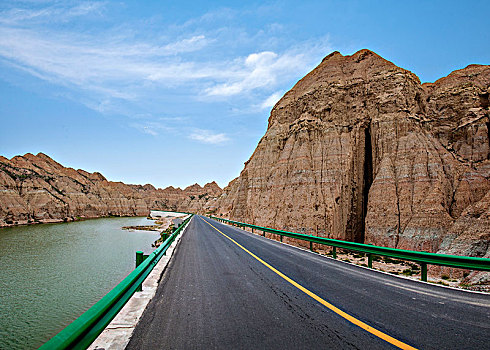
<point x="227" y="288"/>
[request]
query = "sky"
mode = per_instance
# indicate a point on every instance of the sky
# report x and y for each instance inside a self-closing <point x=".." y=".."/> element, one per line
<point x="179" y="92"/>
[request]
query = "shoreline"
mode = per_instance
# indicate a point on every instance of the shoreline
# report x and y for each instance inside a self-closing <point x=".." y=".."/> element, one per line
<point x="4" y="224"/>
<point x="66" y="220"/>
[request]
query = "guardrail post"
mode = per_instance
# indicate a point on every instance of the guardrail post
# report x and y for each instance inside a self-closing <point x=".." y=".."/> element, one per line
<point x="370" y="260"/>
<point x="281" y="237"/>
<point x="334" y="252"/>
<point x="139" y="259"/>
<point x="263" y="233"/>
<point x="423" y="272"/>
<point x="252" y="230"/>
<point x="311" y="245"/>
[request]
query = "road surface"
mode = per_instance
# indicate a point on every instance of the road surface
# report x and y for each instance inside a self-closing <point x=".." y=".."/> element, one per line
<point x="226" y="288"/>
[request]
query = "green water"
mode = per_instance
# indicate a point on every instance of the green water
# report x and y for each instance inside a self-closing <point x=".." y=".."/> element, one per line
<point x="51" y="273"/>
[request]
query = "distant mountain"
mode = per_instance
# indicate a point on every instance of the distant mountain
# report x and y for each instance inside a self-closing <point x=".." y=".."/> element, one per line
<point x="35" y="188"/>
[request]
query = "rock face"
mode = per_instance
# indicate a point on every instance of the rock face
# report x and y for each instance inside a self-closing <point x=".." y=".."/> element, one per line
<point x="360" y="150"/>
<point x="38" y="189"/>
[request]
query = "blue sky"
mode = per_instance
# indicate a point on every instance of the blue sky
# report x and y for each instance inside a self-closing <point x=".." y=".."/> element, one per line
<point x="173" y="93"/>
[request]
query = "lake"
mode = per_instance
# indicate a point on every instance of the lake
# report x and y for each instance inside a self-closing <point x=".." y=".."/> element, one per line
<point x="51" y="273"/>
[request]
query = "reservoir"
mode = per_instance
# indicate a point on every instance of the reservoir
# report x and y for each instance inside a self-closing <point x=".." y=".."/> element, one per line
<point x="51" y="273"/>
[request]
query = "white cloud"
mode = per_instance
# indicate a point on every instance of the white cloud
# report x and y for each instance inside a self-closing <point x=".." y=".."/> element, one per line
<point x="207" y="136"/>
<point x="260" y="59"/>
<point x="260" y="70"/>
<point x="271" y="100"/>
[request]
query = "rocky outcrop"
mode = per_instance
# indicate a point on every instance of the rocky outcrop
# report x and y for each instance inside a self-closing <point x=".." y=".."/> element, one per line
<point x="360" y="150"/>
<point x="457" y="112"/>
<point x="35" y="188"/>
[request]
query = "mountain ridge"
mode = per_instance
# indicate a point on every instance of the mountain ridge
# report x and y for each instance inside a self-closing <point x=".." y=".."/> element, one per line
<point x="37" y="189"/>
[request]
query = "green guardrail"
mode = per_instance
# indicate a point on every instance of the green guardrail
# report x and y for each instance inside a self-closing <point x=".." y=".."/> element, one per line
<point x="84" y="330"/>
<point x="423" y="258"/>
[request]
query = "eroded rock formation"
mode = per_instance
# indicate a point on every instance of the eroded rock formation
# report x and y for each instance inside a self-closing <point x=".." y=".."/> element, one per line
<point x="35" y="188"/>
<point x="360" y="150"/>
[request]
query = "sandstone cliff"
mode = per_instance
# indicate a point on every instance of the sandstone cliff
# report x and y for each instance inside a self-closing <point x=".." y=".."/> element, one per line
<point x="35" y="188"/>
<point x="360" y="150"/>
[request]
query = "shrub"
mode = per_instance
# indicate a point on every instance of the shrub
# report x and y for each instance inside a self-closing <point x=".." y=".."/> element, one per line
<point x="407" y="272"/>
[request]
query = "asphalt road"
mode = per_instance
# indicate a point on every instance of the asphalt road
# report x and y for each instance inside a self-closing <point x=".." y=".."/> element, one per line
<point x="216" y="295"/>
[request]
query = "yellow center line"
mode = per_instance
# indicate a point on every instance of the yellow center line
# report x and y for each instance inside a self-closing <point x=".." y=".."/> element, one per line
<point x="335" y="309"/>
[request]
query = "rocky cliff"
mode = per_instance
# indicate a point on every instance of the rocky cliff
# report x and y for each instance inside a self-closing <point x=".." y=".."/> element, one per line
<point x="360" y="150"/>
<point x="35" y="188"/>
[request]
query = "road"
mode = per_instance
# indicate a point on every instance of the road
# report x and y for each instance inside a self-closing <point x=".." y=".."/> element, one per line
<point x="227" y="288"/>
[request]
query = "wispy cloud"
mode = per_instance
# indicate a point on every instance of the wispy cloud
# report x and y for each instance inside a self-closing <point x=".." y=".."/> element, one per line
<point x="271" y="100"/>
<point x="186" y="45"/>
<point x="123" y="69"/>
<point x="209" y="137"/>
<point x="145" y="129"/>
<point x="97" y="64"/>
<point x="51" y="12"/>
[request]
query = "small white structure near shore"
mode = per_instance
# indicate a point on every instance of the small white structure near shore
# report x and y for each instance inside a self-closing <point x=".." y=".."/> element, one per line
<point x="165" y="214"/>
<point x="177" y="222"/>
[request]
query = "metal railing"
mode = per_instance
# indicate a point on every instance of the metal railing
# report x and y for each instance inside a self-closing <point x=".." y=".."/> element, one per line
<point x="423" y="258"/>
<point x="85" y="329"/>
